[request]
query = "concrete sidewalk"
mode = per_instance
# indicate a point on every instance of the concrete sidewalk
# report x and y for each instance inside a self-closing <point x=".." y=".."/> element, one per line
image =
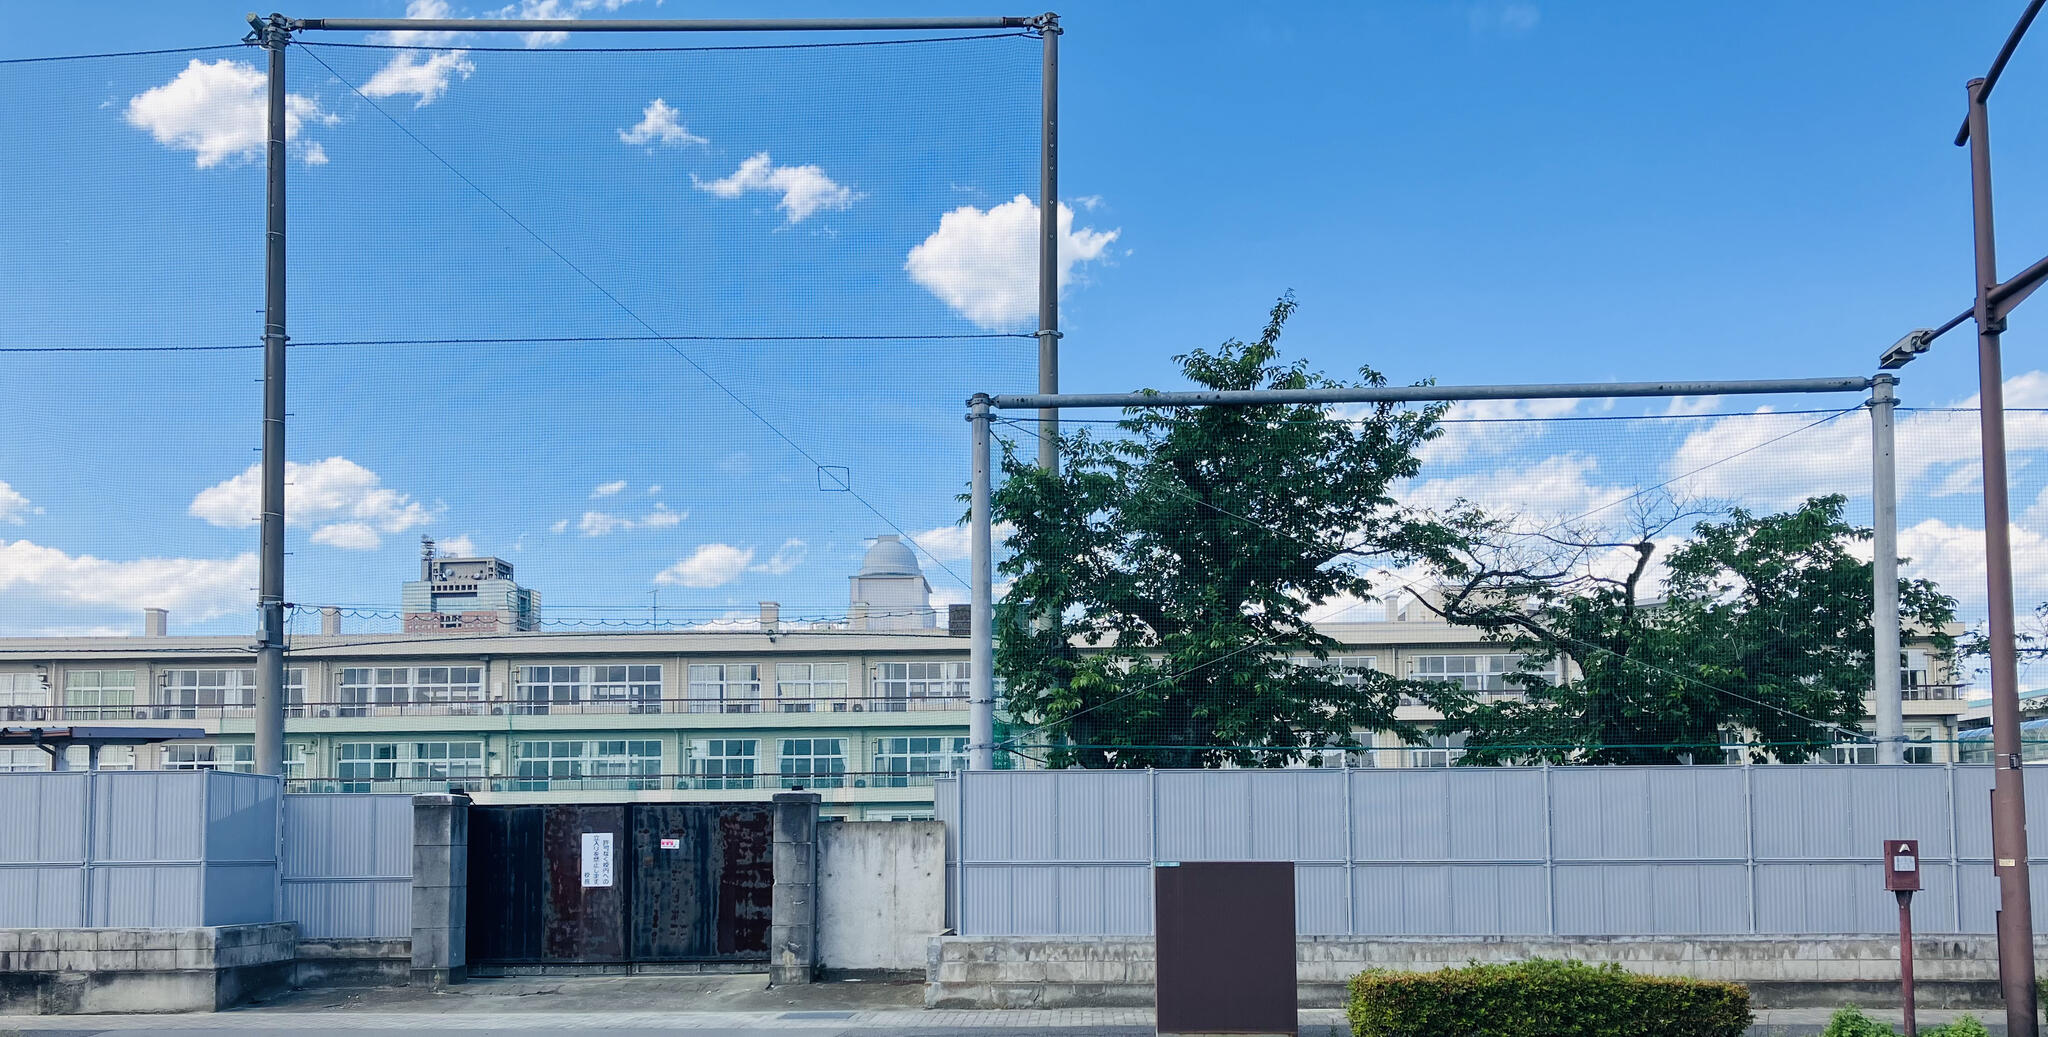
<point x="703" y="1006"/>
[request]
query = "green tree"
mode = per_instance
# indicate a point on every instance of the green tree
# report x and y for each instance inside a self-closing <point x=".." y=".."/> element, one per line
<point x="1761" y="626"/>
<point x="1164" y="577"/>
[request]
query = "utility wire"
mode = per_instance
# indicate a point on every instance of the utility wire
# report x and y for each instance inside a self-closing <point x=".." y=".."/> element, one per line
<point x="629" y="312"/>
<point x="121" y="54"/>
<point x="1030" y="34"/>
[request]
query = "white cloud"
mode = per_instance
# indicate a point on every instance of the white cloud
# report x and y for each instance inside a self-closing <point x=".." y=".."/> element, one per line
<point x="607" y="489"/>
<point x="711" y="565"/>
<point x="553" y="10"/>
<point x="805" y="189"/>
<point x="201" y="588"/>
<point x="983" y="263"/>
<point x="426" y="77"/>
<point x="14" y="507"/>
<point x="347" y="500"/>
<point x="1478" y="428"/>
<point x="658" y="123"/>
<point x="785" y="559"/>
<point x="654" y="490"/>
<point x="602" y="523"/>
<point x="220" y="110"/>
<point x="349" y="536"/>
<point x="1558" y="487"/>
<point x="1773" y="461"/>
<point x="948" y="543"/>
<point x="420" y="38"/>
<point x="1953" y="556"/>
<point x="1508" y="19"/>
<point x="457" y="546"/>
<point x="1089" y="202"/>
<point x="598" y="523"/>
<point x="560" y="526"/>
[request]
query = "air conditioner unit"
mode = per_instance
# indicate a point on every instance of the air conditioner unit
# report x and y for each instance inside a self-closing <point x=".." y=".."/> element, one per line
<point x="860" y="783"/>
<point x="142" y="714"/>
<point x="497" y="711"/>
<point x="42" y="714"/>
<point x="858" y="708"/>
<point x="326" y="712"/>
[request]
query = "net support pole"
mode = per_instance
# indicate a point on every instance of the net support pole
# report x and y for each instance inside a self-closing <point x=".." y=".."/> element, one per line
<point x="1884" y="574"/>
<point x="981" y="687"/>
<point x="1049" y="242"/>
<point x="2008" y="794"/>
<point x="274" y="34"/>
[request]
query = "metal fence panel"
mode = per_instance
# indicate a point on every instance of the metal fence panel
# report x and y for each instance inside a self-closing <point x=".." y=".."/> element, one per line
<point x="347" y="862"/>
<point x="1588" y="851"/>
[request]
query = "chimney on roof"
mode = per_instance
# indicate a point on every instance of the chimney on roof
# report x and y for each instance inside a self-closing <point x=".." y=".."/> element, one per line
<point x="857" y="616"/>
<point x="771" y="617"/>
<point x="330" y="621"/>
<point x="156" y="623"/>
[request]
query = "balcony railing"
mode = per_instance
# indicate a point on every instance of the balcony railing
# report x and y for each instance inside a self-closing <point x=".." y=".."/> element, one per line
<point x="490" y="708"/>
<point x="622" y="783"/>
<point x="1931" y="692"/>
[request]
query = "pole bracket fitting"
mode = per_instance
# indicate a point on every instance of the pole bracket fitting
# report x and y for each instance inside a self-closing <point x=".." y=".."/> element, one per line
<point x="1043" y="332"/>
<point x="1049" y="22"/>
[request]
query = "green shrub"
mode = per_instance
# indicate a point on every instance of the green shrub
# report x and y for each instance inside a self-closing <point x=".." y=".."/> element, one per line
<point x="1543" y="999"/>
<point x="1851" y="1023"/>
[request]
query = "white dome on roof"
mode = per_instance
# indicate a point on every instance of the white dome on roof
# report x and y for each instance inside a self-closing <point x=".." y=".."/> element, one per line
<point x="890" y="556"/>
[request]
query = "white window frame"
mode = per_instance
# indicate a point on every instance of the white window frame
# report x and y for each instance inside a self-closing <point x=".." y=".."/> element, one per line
<point x="98" y="689"/>
<point x="23" y="694"/>
<point x="587" y="763"/>
<point x="725" y="688"/>
<point x="813" y="762"/>
<point x="1487" y="674"/>
<point x="725" y="763"/>
<point x="918" y="684"/>
<point x="624" y="688"/>
<point x="905" y="760"/>
<point x="800" y="687"/>
<point x="239" y="757"/>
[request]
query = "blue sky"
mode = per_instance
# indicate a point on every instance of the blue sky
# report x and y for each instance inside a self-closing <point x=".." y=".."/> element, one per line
<point x="1474" y="192"/>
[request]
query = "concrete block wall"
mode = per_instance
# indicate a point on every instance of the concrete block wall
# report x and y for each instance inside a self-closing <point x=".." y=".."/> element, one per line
<point x="90" y="971"/>
<point x="881" y="894"/>
<point x="1055" y="972"/>
<point x="440" y="890"/>
<point x="793" y="918"/>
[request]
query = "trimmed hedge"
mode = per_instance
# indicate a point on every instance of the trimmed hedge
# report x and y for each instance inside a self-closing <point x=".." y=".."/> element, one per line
<point x="1540" y="998"/>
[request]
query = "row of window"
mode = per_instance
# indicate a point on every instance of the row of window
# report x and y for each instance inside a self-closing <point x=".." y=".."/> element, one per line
<point x="712" y="687"/>
<point x="715" y="763"/>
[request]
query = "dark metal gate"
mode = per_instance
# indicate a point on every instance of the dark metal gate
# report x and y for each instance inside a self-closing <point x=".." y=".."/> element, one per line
<point x="612" y="883"/>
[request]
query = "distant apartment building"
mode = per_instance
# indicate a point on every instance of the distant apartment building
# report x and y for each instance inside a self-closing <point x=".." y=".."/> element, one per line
<point x="865" y="711"/>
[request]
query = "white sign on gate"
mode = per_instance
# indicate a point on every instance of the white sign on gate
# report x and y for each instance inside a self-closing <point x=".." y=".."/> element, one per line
<point x="597" y="859"/>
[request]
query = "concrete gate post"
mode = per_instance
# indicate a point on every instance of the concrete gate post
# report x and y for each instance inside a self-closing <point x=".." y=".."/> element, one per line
<point x="793" y="917"/>
<point x="440" y="889"/>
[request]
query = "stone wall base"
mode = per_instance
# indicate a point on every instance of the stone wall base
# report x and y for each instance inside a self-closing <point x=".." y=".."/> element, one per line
<point x="353" y="963"/>
<point x="1062" y="972"/>
<point x="112" y="971"/>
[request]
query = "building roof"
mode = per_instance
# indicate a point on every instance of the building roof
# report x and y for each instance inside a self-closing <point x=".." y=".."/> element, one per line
<point x="890" y="556"/>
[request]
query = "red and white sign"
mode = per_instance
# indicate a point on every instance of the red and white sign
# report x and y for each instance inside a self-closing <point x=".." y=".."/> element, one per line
<point x="671" y="844"/>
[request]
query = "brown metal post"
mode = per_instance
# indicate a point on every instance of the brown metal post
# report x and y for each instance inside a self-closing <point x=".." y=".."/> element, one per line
<point x="2008" y="797"/>
<point x="1906" y="960"/>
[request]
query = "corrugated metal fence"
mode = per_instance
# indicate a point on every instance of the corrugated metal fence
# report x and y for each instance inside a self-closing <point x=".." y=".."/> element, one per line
<point x="137" y="848"/>
<point x="348" y="865"/>
<point x="1579" y="851"/>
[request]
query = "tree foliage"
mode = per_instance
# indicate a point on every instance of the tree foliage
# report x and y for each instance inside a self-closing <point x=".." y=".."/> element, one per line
<point x="1164" y="577"/>
<point x="1761" y="627"/>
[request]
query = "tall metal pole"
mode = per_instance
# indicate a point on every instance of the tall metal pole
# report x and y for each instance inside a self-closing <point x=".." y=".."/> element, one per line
<point x="2008" y="795"/>
<point x="981" y="697"/>
<point x="1884" y="574"/>
<point x="269" y="749"/>
<point x="1049" y="243"/>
